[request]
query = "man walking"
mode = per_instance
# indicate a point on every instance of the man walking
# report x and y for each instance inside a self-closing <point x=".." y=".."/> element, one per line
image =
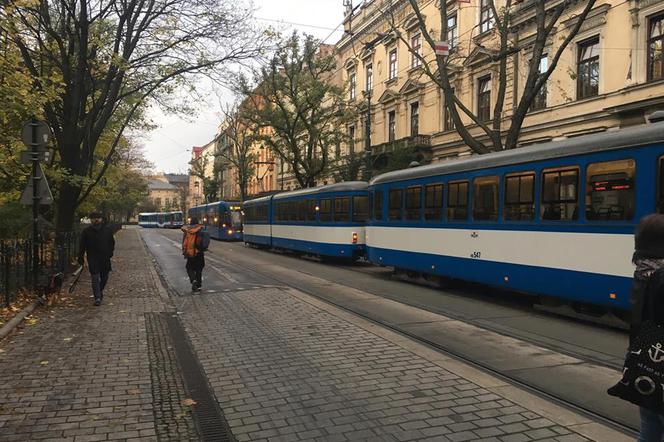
<point x="195" y="242"/>
<point x="98" y="243"/>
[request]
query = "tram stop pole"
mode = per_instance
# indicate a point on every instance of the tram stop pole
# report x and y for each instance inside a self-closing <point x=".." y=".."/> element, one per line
<point x="34" y="149"/>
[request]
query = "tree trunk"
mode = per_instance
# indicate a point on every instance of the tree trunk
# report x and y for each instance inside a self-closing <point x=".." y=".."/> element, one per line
<point x="66" y="206"/>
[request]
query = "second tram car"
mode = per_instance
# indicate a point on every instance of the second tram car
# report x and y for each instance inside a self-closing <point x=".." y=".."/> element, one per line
<point x="556" y="219"/>
<point x="222" y="220"/>
<point x="326" y="221"/>
<point x="171" y="220"/>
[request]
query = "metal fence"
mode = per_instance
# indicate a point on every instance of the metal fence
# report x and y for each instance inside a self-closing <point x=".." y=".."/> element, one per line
<point x="57" y="252"/>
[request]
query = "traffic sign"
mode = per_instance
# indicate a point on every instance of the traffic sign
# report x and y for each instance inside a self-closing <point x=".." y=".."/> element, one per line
<point x="27" y="157"/>
<point x="45" y="195"/>
<point x="42" y="134"/>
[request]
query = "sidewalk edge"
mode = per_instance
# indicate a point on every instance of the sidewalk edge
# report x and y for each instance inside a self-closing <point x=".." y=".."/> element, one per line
<point x="16" y="320"/>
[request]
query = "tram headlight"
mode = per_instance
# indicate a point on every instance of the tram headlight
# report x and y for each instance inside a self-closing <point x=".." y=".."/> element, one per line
<point x="230" y="231"/>
<point x="216" y="219"/>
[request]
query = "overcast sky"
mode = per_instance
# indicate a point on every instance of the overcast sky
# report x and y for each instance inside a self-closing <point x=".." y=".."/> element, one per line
<point x="169" y="146"/>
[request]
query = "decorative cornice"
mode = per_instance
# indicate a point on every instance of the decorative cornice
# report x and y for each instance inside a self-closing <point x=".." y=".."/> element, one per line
<point x="595" y="19"/>
<point x="388" y="96"/>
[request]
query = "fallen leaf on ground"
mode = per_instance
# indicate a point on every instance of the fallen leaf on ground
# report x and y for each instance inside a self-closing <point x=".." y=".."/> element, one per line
<point x="44" y="362"/>
<point x="67" y="339"/>
<point x="188" y="402"/>
<point x="2" y="351"/>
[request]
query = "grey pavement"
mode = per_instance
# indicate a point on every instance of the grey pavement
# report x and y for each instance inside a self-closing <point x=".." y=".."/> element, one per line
<point x="280" y="364"/>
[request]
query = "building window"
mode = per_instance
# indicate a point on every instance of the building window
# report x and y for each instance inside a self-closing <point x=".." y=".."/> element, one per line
<point x="352" y="80"/>
<point x="416" y="48"/>
<point x="414" y="119"/>
<point x="392" y="74"/>
<point x="539" y="102"/>
<point x="610" y="190"/>
<point x="351" y="142"/>
<point x="157" y="202"/>
<point x="656" y="48"/>
<point x="369" y="72"/>
<point x="486" y="16"/>
<point x="452" y="30"/>
<point x="484" y="98"/>
<point x="587" y="80"/>
<point x="448" y="123"/>
<point x="391" y="125"/>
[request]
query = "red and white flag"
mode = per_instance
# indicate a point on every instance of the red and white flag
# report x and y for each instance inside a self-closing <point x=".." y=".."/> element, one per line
<point x="441" y="48"/>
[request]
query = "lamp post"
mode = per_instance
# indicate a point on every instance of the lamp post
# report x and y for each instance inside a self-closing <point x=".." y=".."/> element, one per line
<point x="367" y="137"/>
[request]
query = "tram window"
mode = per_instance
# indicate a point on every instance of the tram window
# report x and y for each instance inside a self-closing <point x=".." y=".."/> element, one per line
<point x="360" y="208"/>
<point x="610" y="190"/>
<point x="485" y="198"/>
<point x="342" y="209"/>
<point x="302" y="210"/>
<point x="433" y="202"/>
<point x="414" y="203"/>
<point x="325" y="209"/>
<point x="560" y="194"/>
<point x="660" y="187"/>
<point x="311" y="210"/>
<point x="457" y="200"/>
<point x="519" y="197"/>
<point x="394" y="204"/>
<point x="378" y="205"/>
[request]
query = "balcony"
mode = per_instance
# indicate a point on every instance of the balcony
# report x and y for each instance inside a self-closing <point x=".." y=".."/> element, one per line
<point x="398" y="154"/>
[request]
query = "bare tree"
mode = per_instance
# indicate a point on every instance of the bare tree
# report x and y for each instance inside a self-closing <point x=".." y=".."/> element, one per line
<point x="111" y="58"/>
<point x="547" y="16"/>
<point x="238" y="149"/>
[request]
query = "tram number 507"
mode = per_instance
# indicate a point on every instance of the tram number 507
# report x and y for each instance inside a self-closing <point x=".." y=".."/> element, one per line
<point x="476" y="255"/>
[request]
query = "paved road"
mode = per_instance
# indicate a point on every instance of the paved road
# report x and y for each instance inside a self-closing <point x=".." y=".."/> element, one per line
<point x="544" y="351"/>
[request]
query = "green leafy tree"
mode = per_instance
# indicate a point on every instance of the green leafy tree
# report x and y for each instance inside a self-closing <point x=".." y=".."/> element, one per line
<point x="296" y="108"/>
<point x="211" y="184"/>
<point x="110" y="59"/>
<point x="234" y="147"/>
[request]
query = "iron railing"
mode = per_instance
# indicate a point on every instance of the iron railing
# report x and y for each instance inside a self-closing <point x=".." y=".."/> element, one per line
<point x="56" y="254"/>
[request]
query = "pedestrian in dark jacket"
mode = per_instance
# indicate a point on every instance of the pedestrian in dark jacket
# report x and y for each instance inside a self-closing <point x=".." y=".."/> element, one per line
<point x="98" y="243"/>
<point x="192" y="251"/>
<point x="648" y="300"/>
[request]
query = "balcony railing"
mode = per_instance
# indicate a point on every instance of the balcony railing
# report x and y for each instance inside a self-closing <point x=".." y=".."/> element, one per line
<point x="416" y="142"/>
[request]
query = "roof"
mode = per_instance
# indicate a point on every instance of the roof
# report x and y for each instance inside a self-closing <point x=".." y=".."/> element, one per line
<point x="337" y="187"/>
<point x="177" y="178"/>
<point x="160" y="185"/>
<point x="605" y="141"/>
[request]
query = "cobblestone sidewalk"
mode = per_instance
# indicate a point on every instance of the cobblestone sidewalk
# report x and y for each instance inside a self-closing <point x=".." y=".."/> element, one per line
<point x="85" y="373"/>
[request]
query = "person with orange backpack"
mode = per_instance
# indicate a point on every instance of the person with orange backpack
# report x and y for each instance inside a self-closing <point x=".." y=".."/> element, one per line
<point x="195" y="242"/>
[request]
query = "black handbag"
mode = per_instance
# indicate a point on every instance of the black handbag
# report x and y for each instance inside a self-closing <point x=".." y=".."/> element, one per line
<point x="642" y="380"/>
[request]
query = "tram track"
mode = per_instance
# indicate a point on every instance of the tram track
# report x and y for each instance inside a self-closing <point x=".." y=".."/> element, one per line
<point x="629" y="430"/>
<point x="510" y="376"/>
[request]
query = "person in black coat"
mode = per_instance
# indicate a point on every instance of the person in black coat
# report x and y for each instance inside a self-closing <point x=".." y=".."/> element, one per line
<point x="98" y="243"/>
<point x="648" y="301"/>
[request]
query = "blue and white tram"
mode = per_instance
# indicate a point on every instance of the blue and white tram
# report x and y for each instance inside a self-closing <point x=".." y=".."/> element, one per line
<point x="171" y="220"/>
<point x="222" y="219"/>
<point x="556" y="219"/>
<point x="326" y="221"/>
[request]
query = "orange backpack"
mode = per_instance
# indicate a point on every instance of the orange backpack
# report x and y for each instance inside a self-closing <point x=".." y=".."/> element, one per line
<point x="189" y="249"/>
